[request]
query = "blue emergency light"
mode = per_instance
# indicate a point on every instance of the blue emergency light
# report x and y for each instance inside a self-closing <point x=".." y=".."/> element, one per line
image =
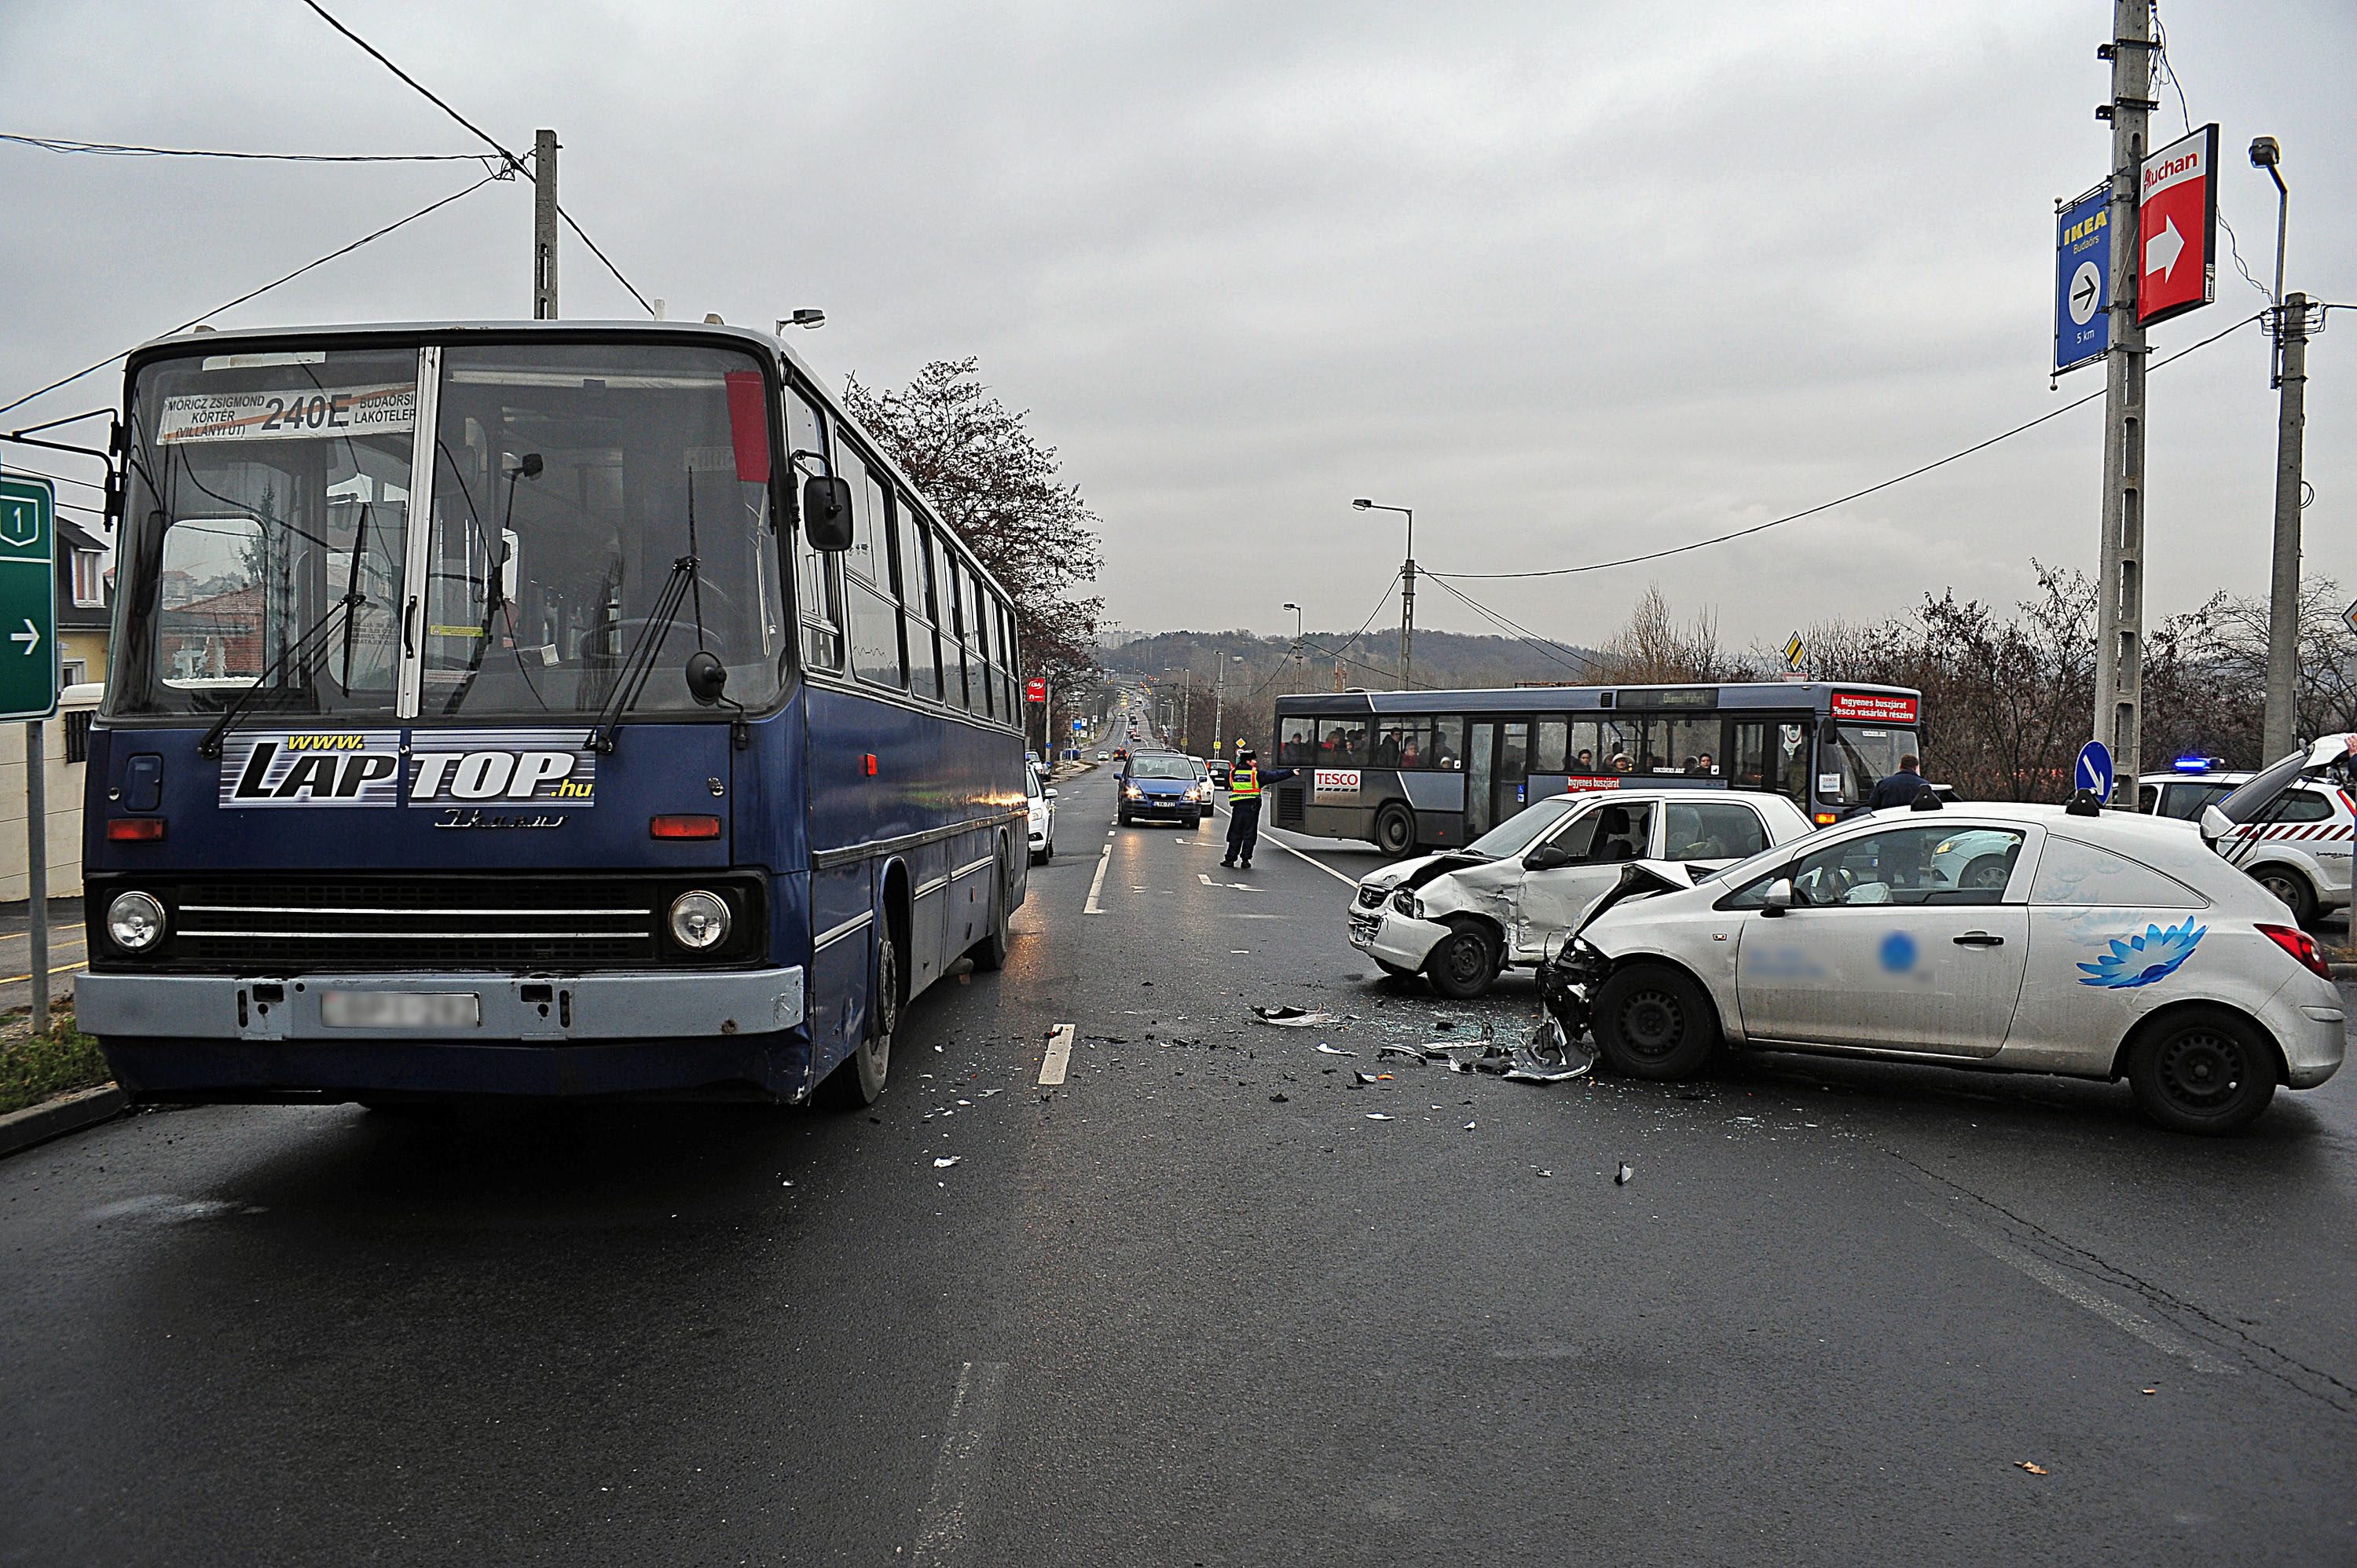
<point x="2197" y="764"/>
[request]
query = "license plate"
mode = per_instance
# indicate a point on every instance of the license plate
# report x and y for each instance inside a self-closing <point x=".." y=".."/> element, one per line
<point x="401" y="1009"/>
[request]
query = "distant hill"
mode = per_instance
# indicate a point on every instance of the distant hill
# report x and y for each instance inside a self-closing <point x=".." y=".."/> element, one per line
<point x="1443" y="659"/>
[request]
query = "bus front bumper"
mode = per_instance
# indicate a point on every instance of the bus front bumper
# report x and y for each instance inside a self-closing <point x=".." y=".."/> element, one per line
<point x="218" y="1037"/>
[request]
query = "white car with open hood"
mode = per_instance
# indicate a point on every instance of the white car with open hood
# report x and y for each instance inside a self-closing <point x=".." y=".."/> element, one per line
<point x="2113" y="945"/>
<point x="1463" y="916"/>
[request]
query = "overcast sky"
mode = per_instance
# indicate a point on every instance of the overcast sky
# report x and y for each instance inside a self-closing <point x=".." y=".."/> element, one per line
<point x="1572" y="280"/>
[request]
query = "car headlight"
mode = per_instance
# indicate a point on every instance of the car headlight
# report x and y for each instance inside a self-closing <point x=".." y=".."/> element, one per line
<point x="1408" y="904"/>
<point x="135" y="921"/>
<point x="1194" y="792"/>
<point x="699" y="920"/>
<point x="1133" y="791"/>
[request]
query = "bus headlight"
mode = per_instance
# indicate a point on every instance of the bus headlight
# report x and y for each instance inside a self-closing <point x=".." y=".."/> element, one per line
<point x="699" y="920"/>
<point x="135" y="921"/>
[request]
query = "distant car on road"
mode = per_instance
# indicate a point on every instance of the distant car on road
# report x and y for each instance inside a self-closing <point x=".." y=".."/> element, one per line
<point x="1041" y="802"/>
<point x="2116" y="946"/>
<point x="1104" y="756"/>
<point x="1465" y="916"/>
<point x="1219" y="765"/>
<point x="1162" y="784"/>
<point x="2300" y="852"/>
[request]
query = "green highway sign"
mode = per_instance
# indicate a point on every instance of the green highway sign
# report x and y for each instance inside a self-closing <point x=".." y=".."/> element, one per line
<point x="29" y="599"/>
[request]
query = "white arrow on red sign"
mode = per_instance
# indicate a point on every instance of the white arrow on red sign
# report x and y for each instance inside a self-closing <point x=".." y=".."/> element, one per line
<point x="2160" y="251"/>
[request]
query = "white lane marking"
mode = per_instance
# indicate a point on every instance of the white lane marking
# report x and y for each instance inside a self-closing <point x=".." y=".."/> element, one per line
<point x="945" y="1528"/>
<point x="2070" y="1288"/>
<point x="1239" y="887"/>
<point x="1345" y="881"/>
<point x="1104" y="859"/>
<point x="1059" y="1058"/>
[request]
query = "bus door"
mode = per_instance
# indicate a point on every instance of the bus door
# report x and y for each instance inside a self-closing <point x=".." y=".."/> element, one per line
<point x="1769" y="754"/>
<point x="1497" y="766"/>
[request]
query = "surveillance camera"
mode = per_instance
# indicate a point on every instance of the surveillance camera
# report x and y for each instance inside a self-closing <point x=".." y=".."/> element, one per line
<point x="2265" y="153"/>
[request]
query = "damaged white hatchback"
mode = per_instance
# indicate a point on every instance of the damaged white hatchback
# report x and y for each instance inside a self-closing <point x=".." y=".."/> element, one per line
<point x="1463" y="916"/>
<point x="2032" y="939"/>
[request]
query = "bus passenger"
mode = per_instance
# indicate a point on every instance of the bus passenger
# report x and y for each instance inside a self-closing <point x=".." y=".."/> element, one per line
<point x="1387" y="749"/>
<point x="1620" y="763"/>
<point x="1587" y="763"/>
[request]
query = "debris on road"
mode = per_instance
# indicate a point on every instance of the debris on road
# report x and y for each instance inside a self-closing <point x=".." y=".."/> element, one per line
<point x="1621" y="1177"/>
<point x="1279" y="1098"/>
<point x="1327" y="1050"/>
<point x="1377" y="1116"/>
<point x="2033" y="1469"/>
<point x="946" y="1161"/>
<point x="1294" y="1017"/>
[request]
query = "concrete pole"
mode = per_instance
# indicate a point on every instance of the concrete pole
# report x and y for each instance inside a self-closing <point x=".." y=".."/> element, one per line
<point x="2119" y="607"/>
<point x="1407" y="608"/>
<point x="37" y="868"/>
<point x="2283" y="590"/>
<point x="544" y="226"/>
<point x="1219" y="704"/>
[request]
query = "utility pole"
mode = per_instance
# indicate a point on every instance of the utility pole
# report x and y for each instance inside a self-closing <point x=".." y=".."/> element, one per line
<point x="544" y="226"/>
<point x="2288" y="327"/>
<point x="1294" y="688"/>
<point x="2119" y="607"/>
<point x="1407" y="590"/>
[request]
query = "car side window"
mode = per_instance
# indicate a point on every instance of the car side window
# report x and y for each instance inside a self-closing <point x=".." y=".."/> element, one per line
<point x="1909" y="865"/>
<point x="1621" y="833"/>
<point x="2080" y="875"/>
<point x="2302" y="806"/>
<point x="1717" y="829"/>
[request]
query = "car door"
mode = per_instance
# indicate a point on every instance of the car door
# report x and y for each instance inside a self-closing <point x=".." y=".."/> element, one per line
<point x="1600" y="838"/>
<point x="2108" y="937"/>
<point x="1879" y="949"/>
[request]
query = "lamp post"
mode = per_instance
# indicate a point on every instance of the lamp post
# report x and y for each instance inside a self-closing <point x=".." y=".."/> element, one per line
<point x="2287" y="325"/>
<point x="1296" y="645"/>
<point x="1408" y="592"/>
<point x="1219" y="702"/>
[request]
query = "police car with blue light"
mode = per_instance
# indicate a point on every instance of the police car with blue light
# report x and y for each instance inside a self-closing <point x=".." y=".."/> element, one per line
<point x="2301" y="853"/>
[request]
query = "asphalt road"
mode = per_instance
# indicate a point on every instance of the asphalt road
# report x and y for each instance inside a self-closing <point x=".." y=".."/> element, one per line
<point x="1166" y="1316"/>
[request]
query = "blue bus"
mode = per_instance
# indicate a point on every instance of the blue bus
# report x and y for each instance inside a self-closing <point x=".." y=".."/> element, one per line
<point x="533" y="709"/>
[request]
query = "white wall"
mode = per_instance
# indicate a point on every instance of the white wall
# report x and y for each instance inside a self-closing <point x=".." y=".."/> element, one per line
<point x="64" y="784"/>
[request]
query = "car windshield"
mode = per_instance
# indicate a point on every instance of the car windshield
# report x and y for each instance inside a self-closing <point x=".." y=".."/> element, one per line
<point x="1161" y="768"/>
<point x="1852" y="759"/>
<point x="271" y="497"/>
<point x="1522" y="830"/>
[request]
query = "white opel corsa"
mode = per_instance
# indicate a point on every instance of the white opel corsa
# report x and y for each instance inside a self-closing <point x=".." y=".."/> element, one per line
<point x="2110" y="946"/>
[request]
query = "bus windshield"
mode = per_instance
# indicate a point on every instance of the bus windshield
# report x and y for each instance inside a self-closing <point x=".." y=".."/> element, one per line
<point x="1852" y="759"/>
<point x="271" y="497"/>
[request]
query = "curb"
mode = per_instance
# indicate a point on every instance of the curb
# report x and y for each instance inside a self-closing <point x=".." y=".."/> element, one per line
<point x="2343" y="970"/>
<point x="20" y="1130"/>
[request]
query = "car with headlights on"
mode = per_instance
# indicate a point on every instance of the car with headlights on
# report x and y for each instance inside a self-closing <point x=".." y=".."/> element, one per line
<point x="2114" y="946"/>
<point x="1464" y="916"/>
<point x="1162" y="785"/>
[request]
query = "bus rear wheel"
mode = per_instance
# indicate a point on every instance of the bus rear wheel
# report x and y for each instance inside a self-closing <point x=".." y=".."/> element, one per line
<point x="1395" y="829"/>
<point x="991" y="951"/>
<point x="859" y="1078"/>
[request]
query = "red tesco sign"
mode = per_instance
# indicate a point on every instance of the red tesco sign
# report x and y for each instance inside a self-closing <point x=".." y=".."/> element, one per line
<point x="2177" y="227"/>
<point x="1035" y="690"/>
<point x="1875" y="707"/>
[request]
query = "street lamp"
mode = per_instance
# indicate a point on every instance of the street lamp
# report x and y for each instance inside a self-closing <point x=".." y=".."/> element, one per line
<point x="1407" y="591"/>
<point x="1220" y="701"/>
<point x="1296" y="644"/>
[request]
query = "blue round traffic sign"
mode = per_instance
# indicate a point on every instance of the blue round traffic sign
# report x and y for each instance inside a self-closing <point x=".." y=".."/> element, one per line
<point x="2094" y="770"/>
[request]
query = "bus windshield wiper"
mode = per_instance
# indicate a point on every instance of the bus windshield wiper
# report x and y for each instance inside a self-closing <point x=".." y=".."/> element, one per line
<point x="305" y="647"/>
<point x="639" y="662"/>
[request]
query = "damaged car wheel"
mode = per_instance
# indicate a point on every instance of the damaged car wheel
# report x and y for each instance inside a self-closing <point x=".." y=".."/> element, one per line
<point x="1464" y="962"/>
<point x="1652" y="1020"/>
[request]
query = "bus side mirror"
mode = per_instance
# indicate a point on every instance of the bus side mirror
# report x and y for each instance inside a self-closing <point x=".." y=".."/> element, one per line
<point x="826" y="512"/>
<point x="707" y="678"/>
<point x="1777" y="899"/>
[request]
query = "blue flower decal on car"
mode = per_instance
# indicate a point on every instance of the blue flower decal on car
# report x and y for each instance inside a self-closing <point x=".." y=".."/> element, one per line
<point x="2140" y="961"/>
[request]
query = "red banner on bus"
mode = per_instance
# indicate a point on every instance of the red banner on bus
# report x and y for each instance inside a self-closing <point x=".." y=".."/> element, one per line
<point x="1876" y="707"/>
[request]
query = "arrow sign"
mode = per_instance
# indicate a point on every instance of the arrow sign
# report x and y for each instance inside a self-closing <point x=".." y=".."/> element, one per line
<point x="29" y="597"/>
<point x="30" y="636"/>
<point x="2094" y="769"/>
<point x="2083" y="294"/>
<point x="2082" y="265"/>
<point x="2177" y="213"/>
<point x="2160" y="251"/>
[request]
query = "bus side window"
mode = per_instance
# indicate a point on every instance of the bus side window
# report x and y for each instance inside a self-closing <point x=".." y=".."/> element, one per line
<point x="1448" y="743"/>
<point x="818" y="583"/>
<point x="1293" y="742"/>
<point x="918" y="600"/>
<point x="875" y="619"/>
<point x="1341" y="743"/>
<point x="1010" y="659"/>
<point x="977" y="626"/>
<point x="1551" y="750"/>
<point x="1584" y="749"/>
<point x="954" y="673"/>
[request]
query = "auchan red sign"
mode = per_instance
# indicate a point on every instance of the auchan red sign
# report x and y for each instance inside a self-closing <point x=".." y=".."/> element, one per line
<point x="1875" y="707"/>
<point x="2177" y="227"/>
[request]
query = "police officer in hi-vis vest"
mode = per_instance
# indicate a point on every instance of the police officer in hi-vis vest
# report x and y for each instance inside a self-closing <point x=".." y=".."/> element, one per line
<point x="1244" y="781"/>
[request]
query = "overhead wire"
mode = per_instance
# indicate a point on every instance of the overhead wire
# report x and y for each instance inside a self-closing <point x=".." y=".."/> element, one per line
<point x="486" y="137"/>
<point x="1540" y="644"/>
<point x="1838" y="501"/>
<point x="346" y="249"/>
<point x="132" y="150"/>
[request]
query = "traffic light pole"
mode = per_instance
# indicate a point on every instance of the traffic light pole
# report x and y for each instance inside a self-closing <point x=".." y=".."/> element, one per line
<point x="2119" y="607"/>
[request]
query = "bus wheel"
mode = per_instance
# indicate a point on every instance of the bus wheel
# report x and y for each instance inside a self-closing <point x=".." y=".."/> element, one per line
<point x="858" y="1078"/>
<point x="1394" y="830"/>
<point x="991" y="951"/>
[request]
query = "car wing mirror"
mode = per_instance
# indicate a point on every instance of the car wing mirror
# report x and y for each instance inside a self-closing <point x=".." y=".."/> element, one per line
<point x="1778" y="898"/>
<point x="826" y="512"/>
<point x="1050" y="795"/>
<point x="1547" y="857"/>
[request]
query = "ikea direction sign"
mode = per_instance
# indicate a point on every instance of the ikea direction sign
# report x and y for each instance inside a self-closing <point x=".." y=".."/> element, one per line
<point x="2083" y="280"/>
<point x="2176" y="226"/>
<point x="29" y="599"/>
